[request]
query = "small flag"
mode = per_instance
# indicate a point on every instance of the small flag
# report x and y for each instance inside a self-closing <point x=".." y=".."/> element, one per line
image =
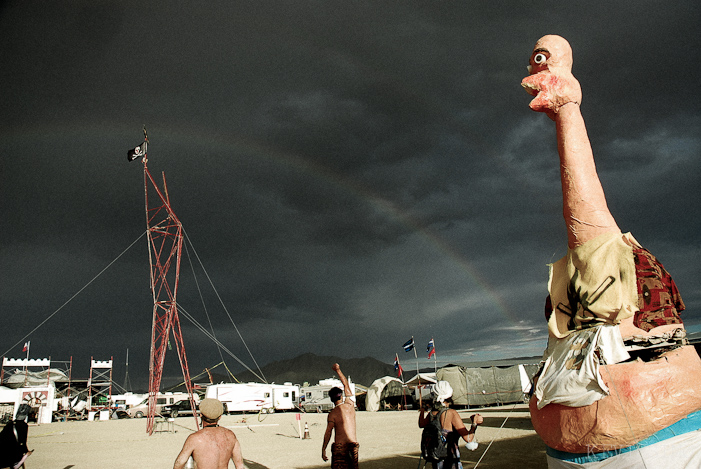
<point x="136" y="152"/>
<point x="26" y="346"/>
<point x="409" y="345"/>
<point x="431" y="348"/>
<point x="398" y="368"/>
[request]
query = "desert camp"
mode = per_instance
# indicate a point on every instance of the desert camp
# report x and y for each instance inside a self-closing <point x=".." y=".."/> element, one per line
<point x="105" y="434"/>
<point x="485" y="214"/>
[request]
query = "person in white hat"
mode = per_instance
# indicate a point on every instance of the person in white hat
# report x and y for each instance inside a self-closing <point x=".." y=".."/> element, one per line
<point x="451" y="423"/>
<point x="213" y="446"/>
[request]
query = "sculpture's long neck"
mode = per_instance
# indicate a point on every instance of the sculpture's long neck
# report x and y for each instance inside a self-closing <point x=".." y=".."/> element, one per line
<point x="584" y="203"/>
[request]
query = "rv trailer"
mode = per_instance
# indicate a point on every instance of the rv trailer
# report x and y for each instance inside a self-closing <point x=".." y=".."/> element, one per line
<point x="255" y="397"/>
<point x="315" y="398"/>
<point x="127" y="400"/>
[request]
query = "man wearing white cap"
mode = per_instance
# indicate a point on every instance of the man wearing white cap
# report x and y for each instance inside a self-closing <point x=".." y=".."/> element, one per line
<point x="213" y="446"/>
<point x="452" y="425"/>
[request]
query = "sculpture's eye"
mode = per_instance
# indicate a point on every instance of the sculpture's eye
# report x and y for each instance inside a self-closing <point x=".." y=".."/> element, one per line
<point x="540" y="58"/>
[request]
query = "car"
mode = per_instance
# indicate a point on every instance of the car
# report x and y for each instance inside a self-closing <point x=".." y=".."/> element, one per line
<point x="181" y="407"/>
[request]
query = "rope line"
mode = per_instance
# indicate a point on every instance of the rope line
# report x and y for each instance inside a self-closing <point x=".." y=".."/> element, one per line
<point x="211" y="335"/>
<point x="230" y="373"/>
<point x="197" y="376"/>
<point x="199" y="291"/>
<point x="495" y="436"/>
<point x="204" y="330"/>
<point x="225" y="309"/>
<point x="74" y="295"/>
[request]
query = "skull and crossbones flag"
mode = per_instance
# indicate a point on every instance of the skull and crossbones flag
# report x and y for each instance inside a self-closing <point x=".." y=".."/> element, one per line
<point x="138" y="151"/>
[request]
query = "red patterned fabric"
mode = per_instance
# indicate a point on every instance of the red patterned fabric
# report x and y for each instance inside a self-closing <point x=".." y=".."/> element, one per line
<point x="658" y="297"/>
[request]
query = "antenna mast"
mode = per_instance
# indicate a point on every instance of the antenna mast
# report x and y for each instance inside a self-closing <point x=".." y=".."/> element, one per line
<point x="165" y="239"/>
<point x="127" y="383"/>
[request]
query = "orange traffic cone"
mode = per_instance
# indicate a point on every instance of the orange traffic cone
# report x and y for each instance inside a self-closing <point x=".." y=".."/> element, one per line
<point x="306" y="432"/>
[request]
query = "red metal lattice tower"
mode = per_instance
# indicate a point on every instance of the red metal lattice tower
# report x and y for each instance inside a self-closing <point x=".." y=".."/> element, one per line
<point x="165" y="239"/>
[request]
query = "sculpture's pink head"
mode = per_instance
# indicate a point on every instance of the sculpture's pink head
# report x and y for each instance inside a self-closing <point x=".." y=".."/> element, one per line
<point x="551" y="53"/>
<point x="550" y="79"/>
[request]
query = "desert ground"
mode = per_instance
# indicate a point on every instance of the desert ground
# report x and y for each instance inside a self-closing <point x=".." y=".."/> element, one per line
<point x="388" y="440"/>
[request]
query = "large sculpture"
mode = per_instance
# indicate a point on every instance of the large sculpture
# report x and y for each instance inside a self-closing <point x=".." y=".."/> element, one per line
<point x="618" y="373"/>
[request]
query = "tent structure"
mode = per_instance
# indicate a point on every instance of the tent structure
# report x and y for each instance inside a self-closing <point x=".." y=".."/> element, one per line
<point x="382" y="391"/>
<point x="421" y="384"/>
<point x="421" y="378"/>
<point x="19" y="378"/>
<point x="488" y="385"/>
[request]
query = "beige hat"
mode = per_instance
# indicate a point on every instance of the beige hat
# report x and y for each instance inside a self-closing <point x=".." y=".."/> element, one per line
<point x="211" y="408"/>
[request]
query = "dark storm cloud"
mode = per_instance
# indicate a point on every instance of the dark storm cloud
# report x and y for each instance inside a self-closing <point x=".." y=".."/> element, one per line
<point x="348" y="174"/>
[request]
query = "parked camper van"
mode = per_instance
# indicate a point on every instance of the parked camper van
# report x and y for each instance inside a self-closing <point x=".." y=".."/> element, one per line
<point x="255" y="397"/>
<point x="127" y="400"/>
<point x="316" y="398"/>
<point x="162" y="399"/>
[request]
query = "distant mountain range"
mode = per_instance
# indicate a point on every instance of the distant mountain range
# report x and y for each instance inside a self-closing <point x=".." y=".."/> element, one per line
<point x="311" y="368"/>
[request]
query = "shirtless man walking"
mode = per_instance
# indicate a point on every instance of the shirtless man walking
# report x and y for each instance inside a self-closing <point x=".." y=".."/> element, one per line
<point x="213" y="446"/>
<point x="344" y="450"/>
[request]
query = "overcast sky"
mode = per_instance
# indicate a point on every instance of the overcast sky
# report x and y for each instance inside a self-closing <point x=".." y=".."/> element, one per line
<point x="350" y="174"/>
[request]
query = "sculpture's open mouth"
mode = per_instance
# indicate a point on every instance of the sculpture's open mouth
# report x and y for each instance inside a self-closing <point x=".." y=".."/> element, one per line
<point x="530" y="88"/>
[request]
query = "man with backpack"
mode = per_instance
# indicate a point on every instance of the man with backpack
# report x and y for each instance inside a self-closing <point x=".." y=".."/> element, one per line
<point x="443" y="429"/>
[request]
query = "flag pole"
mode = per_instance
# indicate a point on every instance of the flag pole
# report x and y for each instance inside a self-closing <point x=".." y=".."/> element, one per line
<point x="416" y="357"/>
<point x="401" y="370"/>
<point x="398" y="367"/>
<point x="435" y="360"/>
<point x="407" y="347"/>
<point x="26" y="363"/>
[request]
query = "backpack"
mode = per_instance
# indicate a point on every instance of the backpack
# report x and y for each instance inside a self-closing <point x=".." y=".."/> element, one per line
<point x="434" y="446"/>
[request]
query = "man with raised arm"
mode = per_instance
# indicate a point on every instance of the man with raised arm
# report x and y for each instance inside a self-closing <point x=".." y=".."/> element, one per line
<point x="213" y="446"/>
<point x="344" y="450"/>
